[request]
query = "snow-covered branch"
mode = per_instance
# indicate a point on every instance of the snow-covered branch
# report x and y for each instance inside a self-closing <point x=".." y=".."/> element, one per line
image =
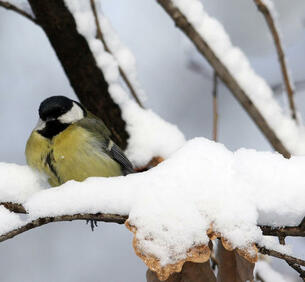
<point x="266" y="8"/>
<point x="99" y="35"/>
<point x="233" y="68"/>
<point x="11" y="7"/>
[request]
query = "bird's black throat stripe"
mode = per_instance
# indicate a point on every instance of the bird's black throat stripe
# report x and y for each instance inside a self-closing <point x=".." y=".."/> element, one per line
<point x="52" y="128"/>
<point x="49" y="162"/>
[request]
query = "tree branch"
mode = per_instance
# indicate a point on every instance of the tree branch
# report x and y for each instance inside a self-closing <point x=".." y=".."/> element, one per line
<point x="13" y="207"/>
<point x="298" y="269"/>
<point x="120" y="219"/>
<point x="100" y="36"/>
<point x="80" y="66"/>
<point x="224" y="74"/>
<point x="19" y="11"/>
<point x="284" y="231"/>
<point x="280" y="52"/>
<point x="295" y="263"/>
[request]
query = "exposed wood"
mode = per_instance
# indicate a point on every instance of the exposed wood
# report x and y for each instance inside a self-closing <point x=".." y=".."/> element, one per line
<point x="79" y="64"/>
<point x="263" y="8"/>
<point x="232" y="267"/>
<point x="224" y="74"/>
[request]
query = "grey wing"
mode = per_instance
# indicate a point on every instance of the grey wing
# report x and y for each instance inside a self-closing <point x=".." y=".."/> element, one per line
<point x="116" y="153"/>
<point x="101" y="132"/>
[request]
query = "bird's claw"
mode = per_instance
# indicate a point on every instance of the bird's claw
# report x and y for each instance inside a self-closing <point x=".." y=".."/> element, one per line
<point x="93" y="223"/>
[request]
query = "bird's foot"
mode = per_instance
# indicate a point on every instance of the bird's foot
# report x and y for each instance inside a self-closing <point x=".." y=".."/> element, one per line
<point x="93" y="223"/>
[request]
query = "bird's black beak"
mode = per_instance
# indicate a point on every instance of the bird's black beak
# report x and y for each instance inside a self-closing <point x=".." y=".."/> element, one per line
<point x="50" y="119"/>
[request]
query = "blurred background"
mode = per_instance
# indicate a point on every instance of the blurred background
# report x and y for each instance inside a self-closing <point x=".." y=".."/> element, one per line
<point x="178" y="85"/>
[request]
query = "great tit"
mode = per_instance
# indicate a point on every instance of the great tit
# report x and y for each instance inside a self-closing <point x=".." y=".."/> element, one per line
<point x="71" y="143"/>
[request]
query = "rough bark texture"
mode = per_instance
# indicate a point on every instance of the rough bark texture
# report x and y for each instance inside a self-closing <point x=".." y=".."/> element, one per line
<point x="191" y="272"/>
<point x="79" y="64"/>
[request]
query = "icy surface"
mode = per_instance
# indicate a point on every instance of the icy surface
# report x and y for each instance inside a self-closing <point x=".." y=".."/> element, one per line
<point x="149" y="134"/>
<point x="18" y="182"/>
<point x="291" y="135"/>
<point x="175" y="202"/>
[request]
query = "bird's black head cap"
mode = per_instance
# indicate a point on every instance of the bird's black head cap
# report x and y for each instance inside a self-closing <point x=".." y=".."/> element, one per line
<point x="55" y="106"/>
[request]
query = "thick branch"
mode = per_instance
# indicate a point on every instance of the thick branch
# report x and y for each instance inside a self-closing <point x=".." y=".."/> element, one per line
<point x="100" y="36"/>
<point x="120" y="219"/>
<point x="19" y="11"/>
<point x="79" y="64"/>
<point x="280" y="52"/>
<point x="223" y="73"/>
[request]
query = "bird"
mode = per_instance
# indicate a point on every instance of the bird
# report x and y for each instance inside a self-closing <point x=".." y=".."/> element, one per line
<point x="70" y="143"/>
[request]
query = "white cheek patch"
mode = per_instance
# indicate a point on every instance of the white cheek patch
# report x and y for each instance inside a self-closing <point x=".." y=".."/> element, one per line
<point x="75" y="114"/>
<point x="40" y="125"/>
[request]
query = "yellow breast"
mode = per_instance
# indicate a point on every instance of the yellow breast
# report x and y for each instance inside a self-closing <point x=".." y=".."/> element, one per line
<point x="72" y="154"/>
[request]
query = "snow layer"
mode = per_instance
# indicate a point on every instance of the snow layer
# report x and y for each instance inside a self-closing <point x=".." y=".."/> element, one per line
<point x="149" y="134"/>
<point x="291" y="135"/>
<point x="175" y="202"/>
<point x="9" y="220"/>
<point x="18" y="182"/>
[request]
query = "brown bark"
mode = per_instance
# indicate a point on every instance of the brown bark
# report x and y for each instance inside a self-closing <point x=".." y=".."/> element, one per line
<point x="191" y="272"/>
<point x="79" y="64"/>
<point x="232" y="267"/>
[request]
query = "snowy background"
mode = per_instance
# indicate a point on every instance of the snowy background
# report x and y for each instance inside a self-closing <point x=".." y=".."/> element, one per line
<point x="30" y="72"/>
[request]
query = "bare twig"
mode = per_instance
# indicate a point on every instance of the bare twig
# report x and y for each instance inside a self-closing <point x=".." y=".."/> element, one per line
<point x="262" y="7"/>
<point x="19" y="11"/>
<point x="14" y="207"/>
<point x="298" y="269"/>
<point x="224" y="74"/>
<point x="279" y="255"/>
<point x="215" y="108"/>
<point x="120" y="219"/>
<point x="100" y="36"/>
<point x="293" y="262"/>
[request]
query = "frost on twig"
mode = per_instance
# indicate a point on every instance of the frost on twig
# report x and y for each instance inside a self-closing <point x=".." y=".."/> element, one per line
<point x="267" y="9"/>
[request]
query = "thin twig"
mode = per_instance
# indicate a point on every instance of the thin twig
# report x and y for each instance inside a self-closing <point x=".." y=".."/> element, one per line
<point x="120" y="219"/>
<point x="279" y="255"/>
<point x="215" y="107"/>
<point x="298" y="269"/>
<point x="224" y="74"/>
<point x="14" y="207"/>
<point x="100" y="36"/>
<point x="19" y="11"/>
<point x="263" y="8"/>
